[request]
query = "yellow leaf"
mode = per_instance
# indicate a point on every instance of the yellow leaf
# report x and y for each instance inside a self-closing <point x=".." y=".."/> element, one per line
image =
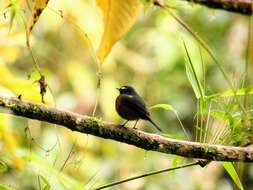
<point x="38" y="7"/>
<point x="29" y="89"/>
<point x="11" y="144"/>
<point x="118" y="17"/>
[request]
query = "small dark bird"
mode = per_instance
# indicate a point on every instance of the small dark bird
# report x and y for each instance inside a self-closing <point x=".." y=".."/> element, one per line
<point x="131" y="106"/>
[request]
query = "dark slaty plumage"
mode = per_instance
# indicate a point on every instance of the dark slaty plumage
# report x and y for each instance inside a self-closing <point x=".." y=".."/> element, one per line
<point x="131" y="106"/>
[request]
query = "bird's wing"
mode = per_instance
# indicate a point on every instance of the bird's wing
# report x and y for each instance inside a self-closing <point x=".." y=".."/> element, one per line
<point x="137" y="103"/>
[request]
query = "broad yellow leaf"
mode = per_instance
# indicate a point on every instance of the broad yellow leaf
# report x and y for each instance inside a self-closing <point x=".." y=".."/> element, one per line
<point x="11" y="144"/>
<point x="118" y="17"/>
<point x="12" y="85"/>
<point x="38" y="7"/>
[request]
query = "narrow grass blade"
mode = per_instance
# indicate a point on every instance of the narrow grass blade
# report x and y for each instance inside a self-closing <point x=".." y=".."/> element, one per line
<point x="171" y="108"/>
<point x="233" y="174"/>
<point x="46" y="183"/>
<point x="230" y="93"/>
<point x="192" y="76"/>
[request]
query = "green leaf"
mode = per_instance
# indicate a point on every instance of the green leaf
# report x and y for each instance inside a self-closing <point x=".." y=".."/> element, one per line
<point x="221" y="115"/>
<point x="37" y="163"/>
<point x="3" y="167"/>
<point x="230" y="93"/>
<point x="14" y="10"/>
<point x="163" y="106"/>
<point x="233" y="174"/>
<point x="171" y="108"/>
<point x="177" y="160"/>
<point x="192" y="76"/>
<point x="5" y="187"/>
<point x="204" y="45"/>
<point x="47" y="185"/>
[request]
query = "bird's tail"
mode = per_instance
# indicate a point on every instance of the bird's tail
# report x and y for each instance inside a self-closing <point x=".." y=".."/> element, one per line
<point x="156" y="126"/>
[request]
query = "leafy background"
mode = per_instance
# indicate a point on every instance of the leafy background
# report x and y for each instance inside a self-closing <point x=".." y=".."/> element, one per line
<point x="151" y="57"/>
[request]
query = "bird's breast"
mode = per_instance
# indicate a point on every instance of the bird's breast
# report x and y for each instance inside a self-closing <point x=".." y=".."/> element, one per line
<point x="124" y="110"/>
<point x="117" y="104"/>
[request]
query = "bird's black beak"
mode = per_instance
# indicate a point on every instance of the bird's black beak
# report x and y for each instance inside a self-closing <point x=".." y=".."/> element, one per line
<point x="117" y="89"/>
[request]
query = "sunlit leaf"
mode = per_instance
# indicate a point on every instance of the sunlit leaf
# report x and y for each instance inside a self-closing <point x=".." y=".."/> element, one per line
<point x="10" y="142"/>
<point x="5" y="187"/>
<point x="36" y="162"/>
<point x="163" y="106"/>
<point x="20" y="86"/>
<point x="170" y="107"/>
<point x="118" y="17"/>
<point x="203" y="44"/>
<point x="177" y="160"/>
<point x="192" y="76"/>
<point x="14" y="8"/>
<point x="230" y="93"/>
<point x="233" y="174"/>
<point x="47" y="185"/>
<point x="221" y="115"/>
<point x="3" y="166"/>
<point x="38" y="7"/>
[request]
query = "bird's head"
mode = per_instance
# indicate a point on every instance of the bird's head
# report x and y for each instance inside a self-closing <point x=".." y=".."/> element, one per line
<point x="127" y="90"/>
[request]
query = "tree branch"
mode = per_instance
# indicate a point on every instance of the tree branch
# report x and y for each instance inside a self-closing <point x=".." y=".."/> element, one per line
<point x="238" y="6"/>
<point x="147" y="141"/>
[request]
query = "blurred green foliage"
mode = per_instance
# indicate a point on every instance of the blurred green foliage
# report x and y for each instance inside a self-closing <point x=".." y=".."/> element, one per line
<point x="152" y="58"/>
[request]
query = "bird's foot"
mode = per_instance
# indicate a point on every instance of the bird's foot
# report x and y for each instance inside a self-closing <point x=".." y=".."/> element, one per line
<point x="123" y="125"/>
<point x="135" y="124"/>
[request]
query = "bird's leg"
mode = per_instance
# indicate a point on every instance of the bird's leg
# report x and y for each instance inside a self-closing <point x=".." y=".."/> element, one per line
<point x="135" y="124"/>
<point x="124" y="123"/>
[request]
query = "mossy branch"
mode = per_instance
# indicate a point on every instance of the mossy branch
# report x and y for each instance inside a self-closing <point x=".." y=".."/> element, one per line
<point x="244" y="7"/>
<point x="140" y="139"/>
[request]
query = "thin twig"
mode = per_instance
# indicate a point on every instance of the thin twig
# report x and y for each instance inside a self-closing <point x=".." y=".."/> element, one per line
<point x="146" y="175"/>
